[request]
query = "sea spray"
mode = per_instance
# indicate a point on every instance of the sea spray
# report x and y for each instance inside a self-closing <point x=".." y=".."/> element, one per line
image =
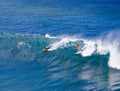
<point x="97" y="46"/>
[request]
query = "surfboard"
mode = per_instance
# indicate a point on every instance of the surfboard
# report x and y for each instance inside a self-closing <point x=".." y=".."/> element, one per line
<point x="46" y="49"/>
<point x="79" y="52"/>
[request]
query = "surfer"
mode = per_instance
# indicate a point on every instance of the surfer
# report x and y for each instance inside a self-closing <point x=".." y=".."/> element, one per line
<point x="79" y="47"/>
<point x="20" y="43"/>
<point x="46" y="48"/>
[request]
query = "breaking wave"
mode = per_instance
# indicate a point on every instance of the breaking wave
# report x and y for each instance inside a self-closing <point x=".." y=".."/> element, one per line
<point x="61" y="47"/>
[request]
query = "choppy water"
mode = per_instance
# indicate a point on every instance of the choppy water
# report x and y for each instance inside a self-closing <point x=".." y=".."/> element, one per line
<point x="93" y="24"/>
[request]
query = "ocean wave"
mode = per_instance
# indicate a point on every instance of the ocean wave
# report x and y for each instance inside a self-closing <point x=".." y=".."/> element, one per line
<point x="60" y="47"/>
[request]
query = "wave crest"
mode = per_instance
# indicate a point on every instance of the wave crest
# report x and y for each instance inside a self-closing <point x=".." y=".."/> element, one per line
<point x="33" y="45"/>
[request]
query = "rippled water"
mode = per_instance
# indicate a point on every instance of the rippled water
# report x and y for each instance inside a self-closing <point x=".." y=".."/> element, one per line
<point x="91" y="23"/>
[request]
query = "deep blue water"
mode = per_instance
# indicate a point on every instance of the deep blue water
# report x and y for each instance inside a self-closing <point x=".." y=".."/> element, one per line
<point x="93" y="23"/>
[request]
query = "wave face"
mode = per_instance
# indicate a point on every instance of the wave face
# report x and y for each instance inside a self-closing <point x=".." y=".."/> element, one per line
<point x="61" y="46"/>
<point x="33" y="44"/>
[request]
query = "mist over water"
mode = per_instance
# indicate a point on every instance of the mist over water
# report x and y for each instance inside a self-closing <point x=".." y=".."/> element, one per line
<point x="60" y="25"/>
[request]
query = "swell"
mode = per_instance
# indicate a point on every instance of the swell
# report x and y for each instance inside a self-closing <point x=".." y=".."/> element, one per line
<point x="62" y="48"/>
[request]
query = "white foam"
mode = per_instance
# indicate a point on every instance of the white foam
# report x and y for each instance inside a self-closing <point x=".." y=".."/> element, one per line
<point x="90" y="48"/>
<point x="113" y="48"/>
<point x="48" y="36"/>
<point x="62" y="43"/>
<point x="114" y="60"/>
<point x="104" y="47"/>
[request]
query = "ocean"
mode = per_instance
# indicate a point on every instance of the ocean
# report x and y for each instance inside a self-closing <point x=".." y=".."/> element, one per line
<point x="60" y="25"/>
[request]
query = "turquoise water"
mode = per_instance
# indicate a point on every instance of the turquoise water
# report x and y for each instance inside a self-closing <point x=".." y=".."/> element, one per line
<point x="93" y="24"/>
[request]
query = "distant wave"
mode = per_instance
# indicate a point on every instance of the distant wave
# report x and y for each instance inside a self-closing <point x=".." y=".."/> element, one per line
<point x="61" y="47"/>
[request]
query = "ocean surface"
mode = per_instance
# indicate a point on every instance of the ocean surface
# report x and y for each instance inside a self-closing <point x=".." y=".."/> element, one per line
<point x="60" y="25"/>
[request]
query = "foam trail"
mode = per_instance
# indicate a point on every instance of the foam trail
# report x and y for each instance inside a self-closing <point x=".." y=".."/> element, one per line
<point x="62" y="43"/>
